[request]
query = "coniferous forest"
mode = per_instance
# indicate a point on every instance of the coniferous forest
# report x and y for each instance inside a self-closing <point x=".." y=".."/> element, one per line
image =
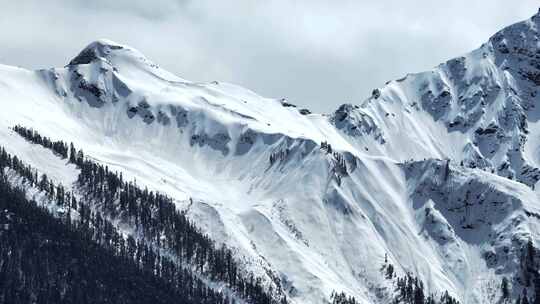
<point x="44" y="260"/>
<point x="174" y="256"/>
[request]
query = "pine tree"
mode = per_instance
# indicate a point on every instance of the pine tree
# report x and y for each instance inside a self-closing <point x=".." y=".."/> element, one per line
<point x="72" y="154"/>
<point x="505" y="291"/>
<point x="524" y="298"/>
<point x="536" y="288"/>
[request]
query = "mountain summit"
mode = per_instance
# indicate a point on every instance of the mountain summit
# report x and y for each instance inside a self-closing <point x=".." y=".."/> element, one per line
<point x="100" y="50"/>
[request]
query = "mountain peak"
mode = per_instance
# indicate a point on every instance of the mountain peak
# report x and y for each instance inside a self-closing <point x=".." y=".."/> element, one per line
<point x="97" y="50"/>
<point x="120" y="56"/>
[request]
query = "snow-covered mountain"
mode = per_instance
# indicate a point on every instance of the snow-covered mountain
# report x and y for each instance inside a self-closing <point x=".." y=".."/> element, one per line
<point x="434" y="173"/>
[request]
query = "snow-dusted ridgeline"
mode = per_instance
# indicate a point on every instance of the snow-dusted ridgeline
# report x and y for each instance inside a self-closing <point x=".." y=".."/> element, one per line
<point x="435" y="170"/>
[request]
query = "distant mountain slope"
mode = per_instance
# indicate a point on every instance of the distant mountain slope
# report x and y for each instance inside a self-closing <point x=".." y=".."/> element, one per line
<point x="435" y="173"/>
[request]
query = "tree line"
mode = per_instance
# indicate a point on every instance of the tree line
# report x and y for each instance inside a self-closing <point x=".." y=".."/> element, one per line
<point x="107" y="197"/>
<point x="58" y="147"/>
<point x="44" y="259"/>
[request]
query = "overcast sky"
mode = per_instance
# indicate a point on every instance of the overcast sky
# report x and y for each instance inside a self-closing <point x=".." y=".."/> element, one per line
<point x="317" y="54"/>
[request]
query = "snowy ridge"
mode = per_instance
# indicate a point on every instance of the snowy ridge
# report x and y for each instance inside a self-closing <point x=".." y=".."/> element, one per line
<point x="484" y="101"/>
<point x="436" y="170"/>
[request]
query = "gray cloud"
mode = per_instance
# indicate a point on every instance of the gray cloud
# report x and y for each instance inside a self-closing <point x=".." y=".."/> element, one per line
<point x="316" y="53"/>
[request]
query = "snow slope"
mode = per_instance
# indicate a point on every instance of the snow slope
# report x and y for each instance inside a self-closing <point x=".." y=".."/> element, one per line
<point x="435" y="170"/>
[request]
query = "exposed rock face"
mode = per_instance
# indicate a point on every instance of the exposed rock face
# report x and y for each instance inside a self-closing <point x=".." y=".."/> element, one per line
<point x="354" y="122"/>
<point x="98" y="50"/>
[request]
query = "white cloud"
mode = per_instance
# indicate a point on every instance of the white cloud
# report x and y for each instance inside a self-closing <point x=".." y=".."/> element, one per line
<point x="317" y="53"/>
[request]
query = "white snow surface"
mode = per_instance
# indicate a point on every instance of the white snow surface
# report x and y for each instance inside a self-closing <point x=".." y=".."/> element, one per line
<point x="441" y="165"/>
